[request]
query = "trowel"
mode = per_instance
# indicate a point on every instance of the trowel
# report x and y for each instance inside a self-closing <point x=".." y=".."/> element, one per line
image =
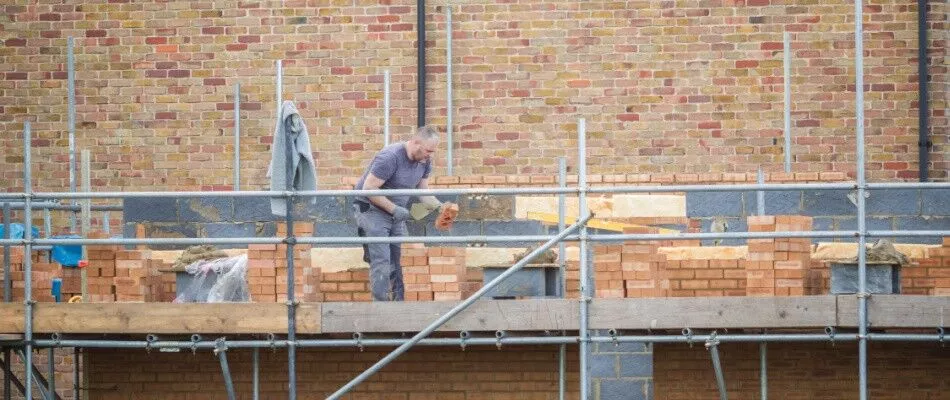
<point x="419" y="211"/>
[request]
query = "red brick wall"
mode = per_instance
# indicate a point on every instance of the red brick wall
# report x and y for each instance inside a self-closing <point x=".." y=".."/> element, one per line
<point x="478" y="373"/>
<point x="701" y="95"/>
<point x="803" y="371"/>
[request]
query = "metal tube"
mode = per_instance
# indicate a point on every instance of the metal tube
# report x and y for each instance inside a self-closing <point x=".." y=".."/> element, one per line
<point x="256" y="377"/>
<point x="908" y="233"/>
<point x="86" y="227"/>
<point x="76" y="365"/>
<point x="71" y="123"/>
<point x="420" y="62"/>
<point x="562" y="266"/>
<point x="460" y="239"/>
<point x="55" y="206"/>
<point x="923" y="100"/>
<point x="106" y="226"/>
<point x="386" y="107"/>
<point x="760" y="195"/>
<point x="862" y="181"/>
<point x="7" y="296"/>
<point x="7" y="288"/>
<point x="28" y="261"/>
<point x="291" y="302"/>
<point x="763" y="370"/>
<point x="280" y="85"/>
<point x="47" y="223"/>
<point x="458" y="191"/>
<point x="51" y="363"/>
<point x="448" y="87"/>
<point x="713" y="347"/>
<point x="454" y="311"/>
<point x="788" y="100"/>
<point x="562" y="286"/>
<point x="585" y="281"/>
<point x="222" y="352"/>
<point x="908" y="185"/>
<point x="550" y="340"/>
<point x="237" y="135"/>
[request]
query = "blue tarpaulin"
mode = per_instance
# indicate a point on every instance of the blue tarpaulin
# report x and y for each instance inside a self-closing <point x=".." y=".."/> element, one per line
<point x="17" y="231"/>
<point x="67" y="255"/>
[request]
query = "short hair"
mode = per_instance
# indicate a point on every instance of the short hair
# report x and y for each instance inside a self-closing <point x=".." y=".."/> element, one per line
<point x="427" y="132"/>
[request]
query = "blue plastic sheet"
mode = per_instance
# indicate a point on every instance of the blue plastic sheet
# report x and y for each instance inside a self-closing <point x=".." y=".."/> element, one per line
<point x="17" y="231"/>
<point x="67" y="255"/>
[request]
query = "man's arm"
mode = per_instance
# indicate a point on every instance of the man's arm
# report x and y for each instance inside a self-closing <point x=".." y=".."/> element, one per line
<point x="373" y="183"/>
<point x="429" y="201"/>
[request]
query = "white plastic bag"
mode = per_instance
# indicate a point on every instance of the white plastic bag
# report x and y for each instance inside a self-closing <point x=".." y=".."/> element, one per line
<point x="217" y="281"/>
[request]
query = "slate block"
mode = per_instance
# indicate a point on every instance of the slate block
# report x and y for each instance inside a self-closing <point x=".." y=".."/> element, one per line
<point x="887" y="202"/>
<point x="603" y="366"/>
<point x="170" y="230"/>
<point x="935" y="202"/>
<point x="491" y="208"/>
<point x="735" y="225"/>
<point x="922" y="224"/>
<point x="229" y="230"/>
<point x="636" y="365"/>
<point x="252" y="209"/>
<point x="335" y="229"/>
<point x="513" y="228"/>
<point x="873" y="224"/>
<point x="328" y="209"/>
<point x="783" y="202"/>
<point x="827" y="203"/>
<point x="712" y="204"/>
<point x="205" y="209"/>
<point x="150" y="209"/>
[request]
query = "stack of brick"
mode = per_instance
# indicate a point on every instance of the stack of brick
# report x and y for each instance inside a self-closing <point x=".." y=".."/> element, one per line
<point x="706" y="278"/>
<point x="303" y="271"/>
<point x="447" y="270"/>
<point x="134" y="280"/>
<point x="42" y="274"/>
<point x="350" y="285"/>
<point x="261" y="272"/>
<point x="101" y="271"/>
<point x="778" y="266"/>
<point x="930" y="275"/>
<point x="473" y="281"/>
<point x="643" y="268"/>
<point x="608" y="273"/>
<point x="416" y="272"/>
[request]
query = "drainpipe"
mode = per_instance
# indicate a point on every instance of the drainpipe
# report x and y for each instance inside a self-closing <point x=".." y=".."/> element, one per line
<point x="421" y="60"/>
<point x="924" y="107"/>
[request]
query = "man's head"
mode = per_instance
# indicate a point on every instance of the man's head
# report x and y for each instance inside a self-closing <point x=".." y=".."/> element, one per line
<point x="423" y="143"/>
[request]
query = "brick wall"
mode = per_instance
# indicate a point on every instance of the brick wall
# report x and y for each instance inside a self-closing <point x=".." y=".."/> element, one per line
<point x="802" y="371"/>
<point x="701" y="95"/>
<point x="529" y="373"/>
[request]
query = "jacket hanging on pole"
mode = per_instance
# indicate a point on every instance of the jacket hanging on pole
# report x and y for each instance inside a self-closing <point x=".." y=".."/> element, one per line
<point x="290" y="126"/>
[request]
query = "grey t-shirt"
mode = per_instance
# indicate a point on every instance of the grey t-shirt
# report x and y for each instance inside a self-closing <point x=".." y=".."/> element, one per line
<point x="393" y="166"/>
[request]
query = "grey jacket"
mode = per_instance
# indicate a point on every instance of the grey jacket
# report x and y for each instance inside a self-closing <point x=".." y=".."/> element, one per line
<point x="290" y="127"/>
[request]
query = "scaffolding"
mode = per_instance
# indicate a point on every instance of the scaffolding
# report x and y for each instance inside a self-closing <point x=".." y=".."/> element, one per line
<point x="577" y="232"/>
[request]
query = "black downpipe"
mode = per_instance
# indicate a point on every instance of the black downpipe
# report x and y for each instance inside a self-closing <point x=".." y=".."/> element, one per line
<point x="923" y="99"/>
<point x="421" y="59"/>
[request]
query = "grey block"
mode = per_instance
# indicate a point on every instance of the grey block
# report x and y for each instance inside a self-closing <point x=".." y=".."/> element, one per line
<point x="416" y="228"/>
<point x="783" y="202"/>
<point x="623" y="347"/>
<point x="935" y="202"/>
<point x="922" y="224"/>
<point x="873" y="224"/>
<point x="205" y="209"/>
<point x="228" y="230"/>
<point x="170" y="230"/>
<point x="827" y="203"/>
<point x="603" y="366"/>
<point x="150" y="209"/>
<point x="513" y="228"/>
<point x="894" y="202"/>
<point x="880" y="279"/>
<point x="266" y="229"/>
<point x="617" y="389"/>
<point x="636" y="365"/>
<point x="336" y="229"/>
<point x="252" y="209"/>
<point x="328" y="209"/>
<point x="459" y="228"/>
<point x="492" y="208"/>
<point x="712" y="204"/>
<point x="735" y="225"/>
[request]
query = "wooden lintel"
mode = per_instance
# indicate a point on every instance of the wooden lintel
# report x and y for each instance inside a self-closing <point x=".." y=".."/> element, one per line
<point x="896" y="311"/>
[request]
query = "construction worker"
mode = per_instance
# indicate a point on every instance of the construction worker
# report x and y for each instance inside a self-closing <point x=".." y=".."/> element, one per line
<point x="402" y="165"/>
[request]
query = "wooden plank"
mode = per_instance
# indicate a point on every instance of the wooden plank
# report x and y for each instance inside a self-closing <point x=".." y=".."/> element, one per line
<point x="551" y="218"/>
<point x="896" y="311"/>
<point x="483" y="315"/>
<point x="713" y="312"/>
<point x="161" y="318"/>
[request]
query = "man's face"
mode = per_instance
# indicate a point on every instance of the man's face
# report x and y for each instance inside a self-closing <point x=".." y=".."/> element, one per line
<point x="423" y="149"/>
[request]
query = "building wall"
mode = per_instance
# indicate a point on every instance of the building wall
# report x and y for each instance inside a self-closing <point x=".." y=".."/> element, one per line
<point x="796" y="371"/>
<point x="663" y="87"/>
<point x="806" y="371"/>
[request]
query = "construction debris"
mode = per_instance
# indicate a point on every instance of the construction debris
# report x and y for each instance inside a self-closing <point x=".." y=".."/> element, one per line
<point x="883" y="252"/>
<point x="196" y="253"/>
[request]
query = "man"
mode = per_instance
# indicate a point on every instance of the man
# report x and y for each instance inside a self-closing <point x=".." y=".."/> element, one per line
<point x="403" y="165"/>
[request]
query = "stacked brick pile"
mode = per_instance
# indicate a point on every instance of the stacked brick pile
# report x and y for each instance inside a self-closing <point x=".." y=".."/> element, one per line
<point x="778" y="266"/>
<point x="929" y="275"/>
<point x="701" y="278"/>
<point x="416" y="272"/>
<point x="447" y="271"/>
<point x="351" y="285"/>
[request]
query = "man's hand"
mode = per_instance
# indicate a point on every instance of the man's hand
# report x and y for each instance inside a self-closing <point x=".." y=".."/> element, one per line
<point x="400" y="214"/>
